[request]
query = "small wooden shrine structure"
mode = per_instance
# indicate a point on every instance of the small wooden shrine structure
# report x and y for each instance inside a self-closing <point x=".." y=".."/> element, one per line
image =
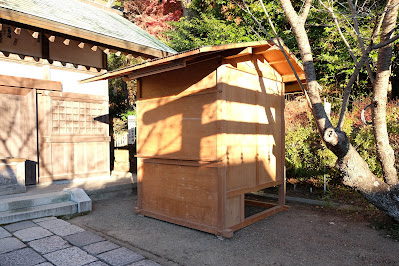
<point x="210" y="130"/>
<point x="57" y="126"/>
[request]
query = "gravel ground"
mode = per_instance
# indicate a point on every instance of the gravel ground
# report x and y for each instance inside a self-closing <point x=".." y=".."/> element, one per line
<point x="305" y="235"/>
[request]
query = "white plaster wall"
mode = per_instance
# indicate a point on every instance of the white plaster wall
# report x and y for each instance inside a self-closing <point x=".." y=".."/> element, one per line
<point x="20" y="70"/>
<point x="68" y="78"/>
<point x="70" y="83"/>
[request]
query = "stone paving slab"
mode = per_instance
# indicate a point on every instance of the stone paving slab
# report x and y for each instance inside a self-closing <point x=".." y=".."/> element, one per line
<point x="19" y="226"/>
<point x="32" y="233"/>
<point x="4" y="233"/>
<point x="83" y="238"/>
<point x="8" y="244"/>
<point x="100" y="247"/>
<point x="21" y="257"/>
<point x="120" y="256"/>
<point x="70" y="256"/>
<point x="49" y="244"/>
<point x="49" y="224"/>
<point x="44" y="219"/>
<point x="145" y="263"/>
<point x="32" y="242"/>
<point x="66" y="230"/>
<point x="97" y="263"/>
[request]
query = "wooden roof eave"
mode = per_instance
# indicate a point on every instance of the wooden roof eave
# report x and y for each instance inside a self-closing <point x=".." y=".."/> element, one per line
<point x="167" y="62"/>
<point x="53" y="26"/>
<point x="127" y="70"/>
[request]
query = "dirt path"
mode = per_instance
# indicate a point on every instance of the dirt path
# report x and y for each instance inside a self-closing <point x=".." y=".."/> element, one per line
<point x="302" y="236"/>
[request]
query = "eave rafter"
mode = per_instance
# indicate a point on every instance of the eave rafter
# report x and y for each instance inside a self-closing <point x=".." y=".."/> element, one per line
<point x="66" y="39"/>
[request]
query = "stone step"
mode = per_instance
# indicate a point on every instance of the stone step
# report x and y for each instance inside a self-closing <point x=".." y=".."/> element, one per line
<point x="23" y="202"/>
<point x="53" y="209"/>
<point x="66" y="202"/>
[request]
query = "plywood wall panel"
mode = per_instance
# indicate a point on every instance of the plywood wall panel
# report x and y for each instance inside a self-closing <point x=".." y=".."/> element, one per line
<point x="172" y="191"/>
<point x="234" y="211"/>
<point x="196" y="77"/>
<point x="253" y="128"/>
<point x="182" y="128"/>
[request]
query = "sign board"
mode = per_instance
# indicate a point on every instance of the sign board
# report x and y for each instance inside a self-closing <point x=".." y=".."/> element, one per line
<point x="131" y="128"/>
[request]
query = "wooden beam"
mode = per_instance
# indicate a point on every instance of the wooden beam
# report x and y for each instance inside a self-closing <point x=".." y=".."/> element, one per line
<point x="280" y="61"/>
<point x="17" y="31"/>
<point x="14" y="90"/>
<point x="66" y="41"/>
<point x="1" y="26"/>
<point x="246" y="51"/>
<point x="81" y="45"/>
<point x="118" y="53"/>
<point x="51" y="38"/>
<point x="45" y="46"/>
<point x="259" y="216"/>
<point x="156" y="70"/>
<point x="35" y="34"/>
<point x="263" y="50"/>
<point x="106" y="51"/>
<point x="291" y="77"/>
<point x="94" y="48"/>
<point x="40" y="84"/>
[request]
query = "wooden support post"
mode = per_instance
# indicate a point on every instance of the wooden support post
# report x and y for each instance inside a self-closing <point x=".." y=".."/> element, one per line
<point x="45" y="47"/>
<point x="281" y="191"/>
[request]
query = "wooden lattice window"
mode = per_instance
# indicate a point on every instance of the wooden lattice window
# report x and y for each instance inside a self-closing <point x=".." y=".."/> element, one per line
<point x="76" y="118"/>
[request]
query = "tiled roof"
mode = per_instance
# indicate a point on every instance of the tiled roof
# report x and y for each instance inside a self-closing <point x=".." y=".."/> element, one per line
<point x="86" y="17"/>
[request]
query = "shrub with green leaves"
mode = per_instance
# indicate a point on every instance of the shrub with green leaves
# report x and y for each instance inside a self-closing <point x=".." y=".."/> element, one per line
<point x="306" y="155"/>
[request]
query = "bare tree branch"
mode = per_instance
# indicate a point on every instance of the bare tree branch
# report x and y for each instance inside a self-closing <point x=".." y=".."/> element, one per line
<point x="387" y="42"/>
<point x="348" y="87"/>
<point x="305" y="11"/>
<point x="283" y="50"/>
<point x="360" y="39"/>
<point x="331" y="11"/>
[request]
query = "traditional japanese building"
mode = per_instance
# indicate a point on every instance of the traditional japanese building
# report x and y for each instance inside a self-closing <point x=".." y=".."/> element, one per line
<point x="57" y="126"/>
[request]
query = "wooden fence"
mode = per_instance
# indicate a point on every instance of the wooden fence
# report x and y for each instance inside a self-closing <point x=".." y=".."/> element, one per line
<point x="121" y="140"/>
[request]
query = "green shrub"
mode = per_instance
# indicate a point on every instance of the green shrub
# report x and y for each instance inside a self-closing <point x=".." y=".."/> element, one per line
<point x="306" y="155"/>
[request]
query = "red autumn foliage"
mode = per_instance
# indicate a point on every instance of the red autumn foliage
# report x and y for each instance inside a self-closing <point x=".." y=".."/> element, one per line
<point x="295" y="113"/>
<point x="153" y="15"/>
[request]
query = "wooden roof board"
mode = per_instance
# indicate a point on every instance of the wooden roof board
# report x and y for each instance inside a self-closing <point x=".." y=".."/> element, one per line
<point x="75" y="18"/>
<point x="260" y="47"/>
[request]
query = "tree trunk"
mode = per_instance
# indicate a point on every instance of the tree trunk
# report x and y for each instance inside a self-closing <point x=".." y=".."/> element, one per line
<point x="380" y="93"/>
<point x="354" y="169"/>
